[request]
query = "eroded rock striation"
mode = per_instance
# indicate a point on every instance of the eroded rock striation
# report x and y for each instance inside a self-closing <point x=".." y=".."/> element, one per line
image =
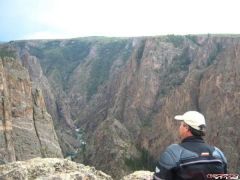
<point x="26" y="128"/>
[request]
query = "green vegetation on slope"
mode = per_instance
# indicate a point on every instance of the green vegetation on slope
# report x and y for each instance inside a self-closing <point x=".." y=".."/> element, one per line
<point x="6" y="51"/>
<point x="212" y="57"/>
<point x="177" y="40"/>
<point x="100" y="68"/>
<point x="176" y="72"/>
<point x="59" y="61"/>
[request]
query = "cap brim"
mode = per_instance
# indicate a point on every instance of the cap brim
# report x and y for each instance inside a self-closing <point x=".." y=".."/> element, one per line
<point x="179" y="118"/>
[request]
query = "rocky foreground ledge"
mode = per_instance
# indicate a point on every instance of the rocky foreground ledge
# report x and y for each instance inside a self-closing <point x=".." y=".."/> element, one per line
<point x="60" y="169"/>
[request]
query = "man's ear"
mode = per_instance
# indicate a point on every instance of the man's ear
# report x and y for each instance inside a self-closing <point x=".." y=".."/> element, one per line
<point x="188" y="128"/>
<point x="202" y="127"/>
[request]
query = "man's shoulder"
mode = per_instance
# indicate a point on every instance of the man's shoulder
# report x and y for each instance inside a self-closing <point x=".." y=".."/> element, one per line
<point x="181" y="152"/>
<point x="175" y="150"/>
<point x="173" y="154"/>
<point x="169" y="157"/>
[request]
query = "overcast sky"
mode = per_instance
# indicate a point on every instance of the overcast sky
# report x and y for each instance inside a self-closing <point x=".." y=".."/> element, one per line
<point x="49" y="19"/>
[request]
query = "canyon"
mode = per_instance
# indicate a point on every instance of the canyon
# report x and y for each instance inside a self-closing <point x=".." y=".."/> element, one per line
<point x="110" y="102"/>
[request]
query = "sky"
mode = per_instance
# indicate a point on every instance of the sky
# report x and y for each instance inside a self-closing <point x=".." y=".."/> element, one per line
<point x="58" y="19"/>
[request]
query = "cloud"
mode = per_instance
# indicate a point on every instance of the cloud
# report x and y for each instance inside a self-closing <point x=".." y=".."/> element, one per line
<point x="75" y="18"/>
<point x="46" y="35"/>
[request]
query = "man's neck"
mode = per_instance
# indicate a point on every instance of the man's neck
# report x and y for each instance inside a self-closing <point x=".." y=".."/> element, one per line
<point x="192" y="138"/>
<point x="186" y="136"/>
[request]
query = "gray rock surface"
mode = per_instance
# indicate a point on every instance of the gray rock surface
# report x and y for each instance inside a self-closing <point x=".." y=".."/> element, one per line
<point x="26" y="128"/>
<point x="139" y="175"/>
<point x="50" y="169"/>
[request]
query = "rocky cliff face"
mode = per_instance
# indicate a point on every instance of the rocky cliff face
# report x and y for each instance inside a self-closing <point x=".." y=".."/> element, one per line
<point x="54" y="101"/>
<point x="211" y="86"/>
<point x="122" y="94"/>
<point x="26" y="129"/>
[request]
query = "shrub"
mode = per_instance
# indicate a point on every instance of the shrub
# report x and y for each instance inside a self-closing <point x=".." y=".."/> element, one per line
<point x="176" y="40"/>
<point x="144" y="162"/>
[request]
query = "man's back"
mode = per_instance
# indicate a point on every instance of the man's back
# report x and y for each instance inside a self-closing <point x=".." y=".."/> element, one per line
<point x="191" y="159"/>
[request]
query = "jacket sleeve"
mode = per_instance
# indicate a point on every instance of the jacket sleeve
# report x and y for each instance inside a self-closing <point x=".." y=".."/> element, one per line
<point x="219" y="154"/>
<point x="164" y="168"/>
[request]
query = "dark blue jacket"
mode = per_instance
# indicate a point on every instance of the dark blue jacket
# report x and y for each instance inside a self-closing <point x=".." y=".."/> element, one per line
<point x="192" y="159"/>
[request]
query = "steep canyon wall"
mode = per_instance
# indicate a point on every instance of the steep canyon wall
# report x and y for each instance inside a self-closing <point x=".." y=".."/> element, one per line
<point x="26" y="128"/>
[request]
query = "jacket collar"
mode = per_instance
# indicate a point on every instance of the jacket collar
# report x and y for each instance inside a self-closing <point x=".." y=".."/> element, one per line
<point x="193" y="139"/>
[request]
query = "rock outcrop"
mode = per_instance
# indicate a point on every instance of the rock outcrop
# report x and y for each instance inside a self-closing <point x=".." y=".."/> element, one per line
<point x="49" y="168"/>
<point x="139" y="175"/>
<point x="26" y="128"/>
<point x="62" y="169"/>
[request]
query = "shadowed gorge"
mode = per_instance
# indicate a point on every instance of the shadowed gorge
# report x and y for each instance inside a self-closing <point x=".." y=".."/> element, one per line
<point x="113" y="99"/>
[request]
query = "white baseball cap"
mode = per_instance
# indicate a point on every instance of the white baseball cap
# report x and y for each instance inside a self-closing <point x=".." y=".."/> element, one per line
<point x="192" y="118"/>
